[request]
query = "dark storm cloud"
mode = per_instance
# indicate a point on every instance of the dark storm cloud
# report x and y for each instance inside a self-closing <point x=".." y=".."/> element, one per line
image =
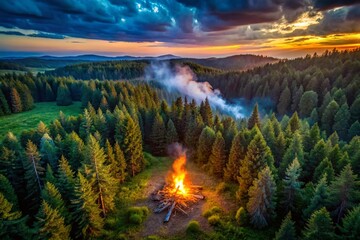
<point x="329" y="4"/>
<point x="181" y="21"/>
<point x="40" y="35"/>
<point x="47" y="35"/>
<point x="342" y="20"/>
<point x="16" y="33"/>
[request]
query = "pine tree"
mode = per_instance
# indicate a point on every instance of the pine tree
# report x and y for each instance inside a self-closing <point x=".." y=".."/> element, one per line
<point x="344" y="192"/>
<point x="319" y="198"/>
<point x="11" y="165"/>
<point x="157" y="137"/>
<point x="254" y="118"/>
<point x="63" y="97"/>
<point x="72" y="148"/>
<point x="296" y="98"/>
<point x="294" y="123"/>
<point x="325" y="166"/>
<point x="49" y="94"/>
<point x="104" y="105"/>
<point x="98" y="175"/>
<point x="100" y="124"/>
<point x="292" y="186"/>
<point x="121" y="162"/>
<point x="86" y="127"/>
<point x="171" y="135"/>
<point x="206" y="113"/>
<point x="50" y="224"/>
<point x="354" y="129"/>
<point x="261" y="205"/>
<point x="333" y="139"/>
<point x="15" y="101"/>
<point x="355" y="110"/>
<point x="65" y="180"/>
<point x="341" y="121"/>
<point x="350" y="224"/>
<point x="217" y="157"/>
<point x="4" y="106"/>
<point x="206" y="141"/>
<point x="49" y="175"/>
<point x="284" y="101"/>
<point x="269" y="134"/>
<point x="311" y="138"/>
<point x="8" y="191"/>
<point x="193" y="132"/>
<point x="88" y="222"/>
<point x="48" y="151"/>
<point x="237" y="153"/>
<point x="287" y="229"/>
<point x="51" y="195"/>
<point x="308" y="102"/>
<point x="131" y="144"/>
<point x="26" y="98"/>
<point x="295" y="150"/>
<point x="33" y="176"/>
<point x="319" y="226"/>
<point x="314" y="117"/>
<point x="12" y="226"/>
<point x="317" y="154"/>
<point x="280" y="147"/>
<point x="328" y="117"/>
<point x="258" y="155"/>
<point x="176" y="115"/>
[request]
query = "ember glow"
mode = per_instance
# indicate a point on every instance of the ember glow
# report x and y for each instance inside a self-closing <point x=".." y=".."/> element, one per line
<point x="179" y="174"/>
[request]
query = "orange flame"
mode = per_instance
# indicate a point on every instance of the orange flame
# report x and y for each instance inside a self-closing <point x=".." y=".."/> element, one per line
<point x="179" y="174"/>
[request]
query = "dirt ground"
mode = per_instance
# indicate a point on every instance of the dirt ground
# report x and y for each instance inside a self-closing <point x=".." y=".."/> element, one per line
<point x="154" y="224"/>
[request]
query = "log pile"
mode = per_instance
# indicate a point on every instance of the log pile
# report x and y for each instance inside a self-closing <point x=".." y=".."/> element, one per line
<point x="170" y="199"/>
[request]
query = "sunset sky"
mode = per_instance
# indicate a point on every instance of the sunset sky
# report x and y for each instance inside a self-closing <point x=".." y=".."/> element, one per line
<point x="198" y="28"/>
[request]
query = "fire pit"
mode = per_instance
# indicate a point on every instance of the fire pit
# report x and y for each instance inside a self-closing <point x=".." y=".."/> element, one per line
<point x="176" y="195"/>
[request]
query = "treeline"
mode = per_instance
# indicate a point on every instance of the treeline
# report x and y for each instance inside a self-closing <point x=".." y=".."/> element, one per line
<point x="15" y="95"/>
<point x="323" y="88"/>
<point x="114" y="70"/>
<point x="19" y="92"/>
<point x="11" y="66"/>
<point x="120" y="70"/>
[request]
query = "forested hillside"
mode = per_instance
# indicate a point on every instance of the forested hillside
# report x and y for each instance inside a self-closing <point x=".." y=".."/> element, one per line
<point x="120" y="70"/>
<point x="323" y="89"/>
<point x="233" y="63"/>
<point x="291" y="179"/>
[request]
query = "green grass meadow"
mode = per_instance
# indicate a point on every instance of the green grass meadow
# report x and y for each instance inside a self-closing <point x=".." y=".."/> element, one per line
<point x="44" y="111"/>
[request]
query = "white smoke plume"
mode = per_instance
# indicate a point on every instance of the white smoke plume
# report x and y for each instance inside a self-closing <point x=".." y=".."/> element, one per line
<point x="183" y="80"/>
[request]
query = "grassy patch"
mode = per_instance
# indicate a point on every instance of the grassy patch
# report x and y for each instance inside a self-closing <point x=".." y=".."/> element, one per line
<point x="44" y="111"/>
<point x="131" y="192"/>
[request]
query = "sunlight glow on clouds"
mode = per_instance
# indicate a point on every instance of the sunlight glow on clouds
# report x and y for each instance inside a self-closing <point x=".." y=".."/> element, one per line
<point x="285" y="28"/>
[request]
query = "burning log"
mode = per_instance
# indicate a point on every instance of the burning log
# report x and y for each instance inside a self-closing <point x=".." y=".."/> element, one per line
<point x="176" y="195"/>
<point x="173" y="199"/>
<point x="168" y="215"/>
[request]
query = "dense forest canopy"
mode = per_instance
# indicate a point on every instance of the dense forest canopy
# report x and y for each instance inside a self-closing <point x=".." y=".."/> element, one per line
<point x="294" y="172"/>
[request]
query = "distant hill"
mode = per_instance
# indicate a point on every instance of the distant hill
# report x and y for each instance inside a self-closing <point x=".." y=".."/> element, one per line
<point x="55" y="62"/>
<point x="234" y="63"/>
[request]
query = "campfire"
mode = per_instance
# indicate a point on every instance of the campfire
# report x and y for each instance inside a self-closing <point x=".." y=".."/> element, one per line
<point x="176" y="195"/>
